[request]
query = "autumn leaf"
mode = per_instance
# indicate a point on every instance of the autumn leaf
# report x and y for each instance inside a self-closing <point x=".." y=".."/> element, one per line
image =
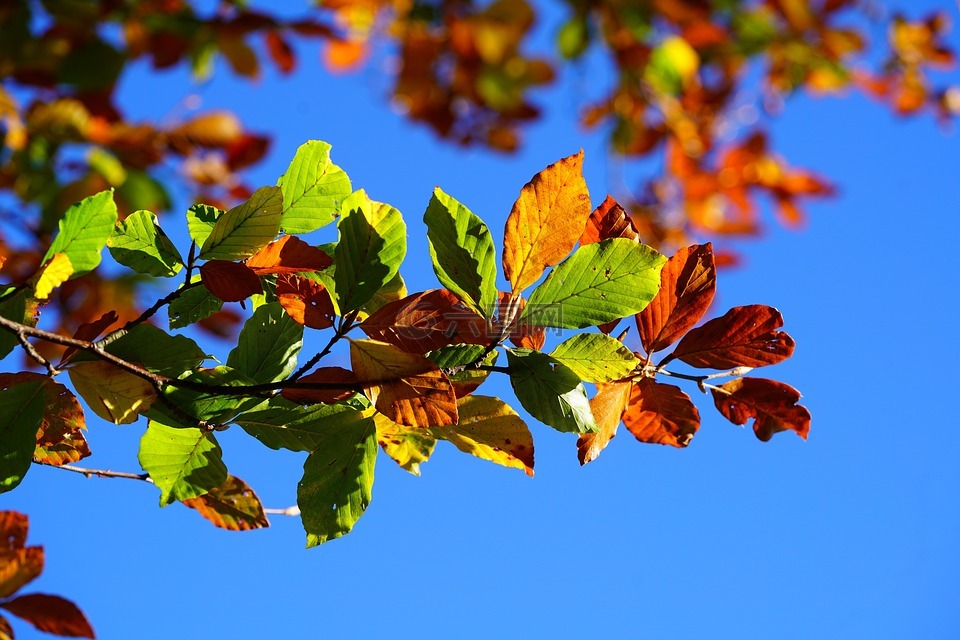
<point x="326" y="375"/>
<point x="83" y="233"/>
<point x="409" y="447"/>
<point x="687" y="285"/>
<point x="112" y="393"/>
<point x="230" y="281"/>
<point x="426" y="321"/>
<point x="742" y="337"/>
<point x="232" y="506"/>
<point x="289" y="254"/>
<point x="59" y="439"/>
<point x="464" y="356"/>
<point x="51" y="614"/>
<point x="545" y="222"/>
<point x="54" y="273"/>
<point x="661" y="414"/>
<point x="772" y="404"/>
<point x="607" y="407"/>
<point x="13" y="530"/>
<point x="90" y="331"/>
<point x="609" y="220"/>
<point x="18" y="567"/>
<point x="306" y="301"/>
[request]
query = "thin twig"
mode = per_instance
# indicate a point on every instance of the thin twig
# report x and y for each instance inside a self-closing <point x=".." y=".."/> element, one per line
<point x="147" y="314"/>
<point x="346" y="324"/>
<point x="33" y="353"/>
<point x="736" y="372"/>
<point x="191" y="258"/>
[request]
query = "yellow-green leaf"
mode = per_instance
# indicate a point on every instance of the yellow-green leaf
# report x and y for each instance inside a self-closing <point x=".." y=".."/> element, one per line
<point x="112" y="393"/>
<point x="245" y="229"/>
<point x="595" y="357"/>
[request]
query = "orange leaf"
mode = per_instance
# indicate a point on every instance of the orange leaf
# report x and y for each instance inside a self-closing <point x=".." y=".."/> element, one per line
<point x="230" y="281"/>
<point x="306" y="301"/>
<point x="688" y="282"/>
<point x="52" y="614"/>
<point x="18" y="567"/>
<point x="405" y="387"/>
<point x="661" y="414"/>
<point x="13" y="530"/>
<point x="426" y="321"/>
<point x="233" y="506"/>
<point x="772" y="404"/>
<point x="326" y="375"/>
<point x="343" y="56"/>
<point x="90" y="331"/>
<point x="742" y="337"/>
<point x="609" y="220"/>
<point x="59" y="438"/>
<point x="289" y="254"/>
<point x="546" y="221"/>
<point x="524" y="334"/>
<point x="607" y="407"/>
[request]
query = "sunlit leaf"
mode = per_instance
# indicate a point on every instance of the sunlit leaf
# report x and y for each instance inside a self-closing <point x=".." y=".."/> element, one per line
<point x="51" y="614"/>
<point x="313" y="188"/>
<point x="306" y="301"/>
<point x="425" y="321"/>
<point x="183" y="462"/>
<point x="744" y="336"/>
<point x="772" y="404"/>
<point x="232" y="506"/>
<point x="595" y="357"/>
<point x="409" y="447"/>
<point x="110" y="392"/>
<point x="139" y="243"/>
<point x="609" y="220"/>
<point x="661" y="414"/>
<point x="200" y="221"/>
<point x="289" y="254"/>
<point x="394" y="290"/>
<point x="18" y="567"/>
<point x="84" y="230"/>
<point x="607" y="407"/>
<point x="552" y="393"/>
<point x="268" y="345"/>
<point x="57" y="271"/>
<point x="245" y="229"/>
<point x="21" y="412"/>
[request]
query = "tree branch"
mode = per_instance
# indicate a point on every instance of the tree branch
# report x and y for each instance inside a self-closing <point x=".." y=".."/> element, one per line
<point x="147" y="314"/>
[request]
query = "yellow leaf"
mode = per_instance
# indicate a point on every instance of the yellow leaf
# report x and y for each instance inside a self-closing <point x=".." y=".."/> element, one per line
<point x="682" y="57"/>
<point x="57" y="271"/>
<point x="407" y="446"/>
<point x="405" y="387"/>
<point x="546" y="221"/>
<point x="112" y="393"/>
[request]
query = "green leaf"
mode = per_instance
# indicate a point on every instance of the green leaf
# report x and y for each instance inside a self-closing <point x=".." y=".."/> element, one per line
<point x="13" y="308"/>
<point x="268" y="345"/>
<point x="313" y="188"/>
<point x="200" y="221"/>
<point x="183" y="463"/>
<point x="372" y="244"/>
<point x="212" y="407"/>
<point x="21" y="411"/>
<point x="281" y="424"/>
<point x="462" y="251"/>
<point x="153" y="348"/>
<point x="550" y="391"/>
<point x="245" y="229"/>
<point x="600" y="282"/>
<point x="337" y="481"/>
<point x="192" y="306"/>
<point x="140" y="244"/>
<point x="595" y="357"/>
<point x="394" y="290"/>
<point x="84" y="230"/>
<point x="455" y="355"/>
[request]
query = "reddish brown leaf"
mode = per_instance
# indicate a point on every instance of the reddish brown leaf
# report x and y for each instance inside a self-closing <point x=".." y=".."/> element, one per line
<point x="661" y="414"/>
<point x="90" y="331"/>
<point x="306" y="301"/>
<point x="405" y="387"/>
<point x="233" y="506"/>
<point x="52" y="614"/>
<point x="280" y="52"/>
<point x="245" y="151"/>
<point x="18" y="567"/>
<point x="742" y="337"/>
<point x="609" y="220"/>
<point x="607" y="407"/>
<point x="230" y="281"/>
<point x="289" y="254"/>
<point x="326" y="375"/>
<point x="425" y="321"/>
<point x="688" y="282"/>
<point x="772" y="404"/>
<point x="6" y="631"/>
<point x="524" y="334"/>
<point x="215" y="129"/>
<point x="60" y="437"/>
<point x="13" y="530"/>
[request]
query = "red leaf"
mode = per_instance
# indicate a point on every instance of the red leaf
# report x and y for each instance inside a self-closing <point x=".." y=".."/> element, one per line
<point x="742" y="337"/>
<point x="306" y="301"/>
<point x="289" y="254"/>
<point x="90" y="331"/>
<point x="230" y="281"/>
<point x="232" y="506"/>
<point x="326" y="375"/>
<point x="280" y="52"/>
<point x="425" y="321"/>
<point x="772" y="404"/>
<point x="609" y="220"/>
<point x="688" y="282"/>
<point x="52" y="614"/>
<point x="13" y="530"/>
<point x="245" y="151"/>
<point x="661" y="414"/>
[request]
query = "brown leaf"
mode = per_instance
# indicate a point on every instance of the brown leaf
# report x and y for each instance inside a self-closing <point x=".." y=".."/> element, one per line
<point x="60" y="437"/>
<point x="425" y="321"/>
<point x="306" y="301"/>
<point x="230" y="281"/>
<point x="546" y="221"/>
<point x="609" y="220"/>
<point x="6" y="631"/>
<point x="607" y="407"/>
<point x="13" y="530"/>
<point x="405" y="387"/>
<point x="326" y="375"/>
<point x="688" y="282"/>
<point x="90" y="331"/>
<point x="18" y="567"/>
<point x="288" y="254"/>
<point x="742" y="337"/>
<point x="661" y="414"/>
<point x="110" y="392"/>
<point x="52" y="614"/>
<point x="247" y="150"/>
<point x="233" y="506"/>
<point x="212" y="130"/>
<point x="524" y="334"/>
<point x="772" y="404"/>
<point x="280" y="52"/>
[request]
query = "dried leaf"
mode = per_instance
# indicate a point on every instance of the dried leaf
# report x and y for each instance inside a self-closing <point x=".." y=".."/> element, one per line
<point x="607" y="407"/>
<point x="13" y="530"/>
<point x="289" y="254"/>
<point x="407" y="446"/>
<point x="661" y="414"/>
<point x="233" y="506"/>
<point x="18" y="567"/>
<point x="426" y="321"/>
<point x="230" y="281"/>
<point x="742" y="337"/>
<point x="772" y="404"/>
<point x="609" y="220"/>
<point x="52" y="614"/>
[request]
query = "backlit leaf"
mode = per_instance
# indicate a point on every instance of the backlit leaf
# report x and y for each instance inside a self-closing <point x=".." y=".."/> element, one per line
<point x="51" y="614"/>
<point x="744" y="336"/>
<point x="772" y="404"/>
<point x="609" y="220"/>
<point x="549" y="391"/>
<point x="183" y="462"/>
<point x="466" y="381"/>
<point x="607" y="407"/>
<point x="112" y="393"/>
<point x="268" y="345"/>
<point x="280" y="424"/>
<point x="405" y="387"/>
<point x="230" y="281"/>
<point x="289" y="254"/>
<point x="409" y="447"/>
<point x="139" y="243"/>
<point x="313" y="188"/>
<point x="57" y="271"/>
<point x="394" y="290"/>
<point x="13" y="530"/>
<point x="372" y="243"/>
<point x="21" y="411"/>
<point x="545" y="222"/>
<point x="232" y="506"/>
<point x="337" y="482"/>
<point x="462" y="251"/>
<point x="245" y="229"/>
<point x="600" y="282"/>
<point x="59" y="440"/>
<point x="18" y="567"/>
<point x="424" y="322"/>
<point x="191" y="306"/>
<point x="688" y="282"/>
<point x="327" y="376"/>
<point x="661" y="414"/>
<point x="84" y="230"/>
<point x="595" y="357"/>
<point x="200" y="221"/>
<point x="306" y="301"/>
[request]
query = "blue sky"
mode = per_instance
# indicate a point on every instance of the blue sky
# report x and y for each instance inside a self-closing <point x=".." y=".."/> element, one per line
<point x="851" y="534"/>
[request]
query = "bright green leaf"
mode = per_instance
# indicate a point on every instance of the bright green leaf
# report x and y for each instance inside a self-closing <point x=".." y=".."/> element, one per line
<point x="139" y="243"/>
<point x="183" y="463"/>
<point x="200" y="221"/>
<point x="245" y="229"/>
<point x="268" y="345"/>
<point x="313" y="188"/>
<point x="192" y="306"/>
<point x="21" y="411"/>
<point x="549" y="391"/>
<point x="212" y="407"/>
<point x="281" y="424"/>
<point x="595" y="357"/>
<point x="153" y="348"/>
<point x="84" y="230"/>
